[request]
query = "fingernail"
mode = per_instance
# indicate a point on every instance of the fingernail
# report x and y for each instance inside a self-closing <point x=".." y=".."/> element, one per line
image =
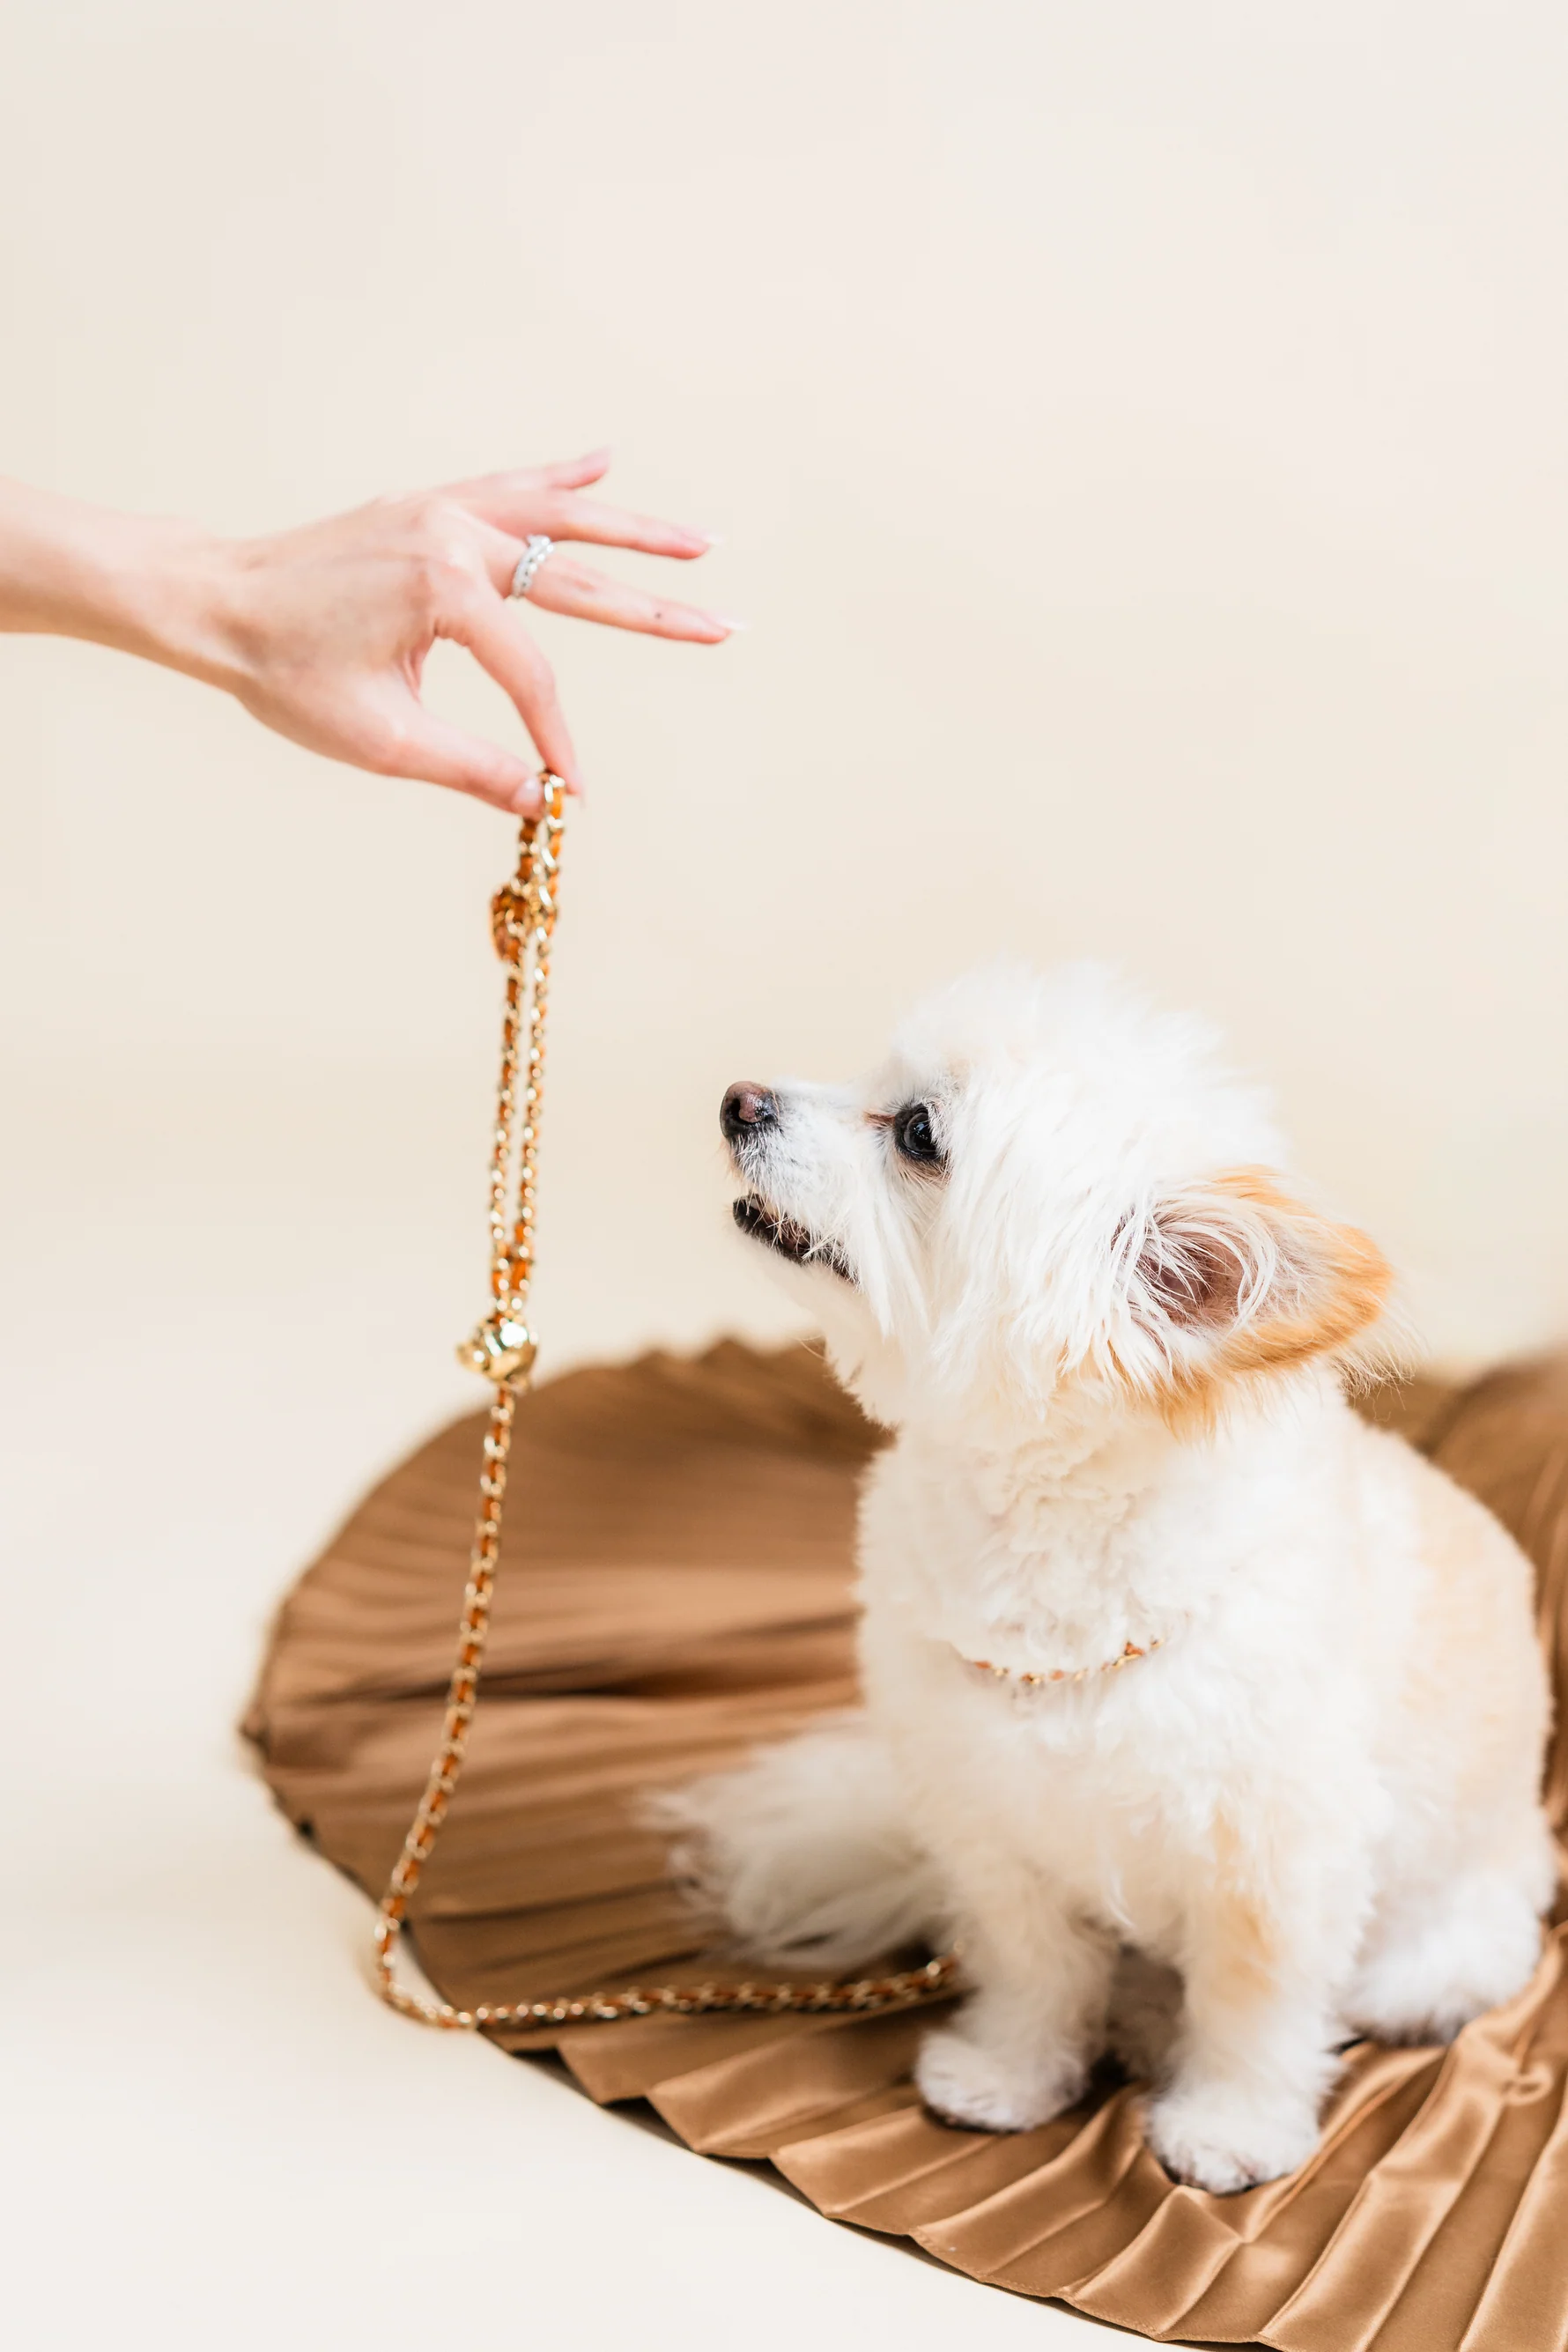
<point x="712" y="537"/>
<point x="527" y="798"/>
<point x="725" y="622"/>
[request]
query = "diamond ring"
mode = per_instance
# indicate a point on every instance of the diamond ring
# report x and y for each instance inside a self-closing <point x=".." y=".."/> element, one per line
<point x="536" y="551"/>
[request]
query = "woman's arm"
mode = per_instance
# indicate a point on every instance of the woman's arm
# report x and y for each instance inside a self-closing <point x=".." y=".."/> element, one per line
<point x="321" y="633"/>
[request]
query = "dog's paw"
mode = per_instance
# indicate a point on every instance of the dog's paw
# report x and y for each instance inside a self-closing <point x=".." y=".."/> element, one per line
<point x="1224" y="2140"/>
<point x="989" y="2089"/>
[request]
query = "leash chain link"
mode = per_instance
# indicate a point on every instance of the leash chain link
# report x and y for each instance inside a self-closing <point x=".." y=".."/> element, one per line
<point x="522" y="922"/>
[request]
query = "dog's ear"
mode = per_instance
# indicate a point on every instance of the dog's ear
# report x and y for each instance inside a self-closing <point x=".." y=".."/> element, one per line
<point x="1235" y="1278"/>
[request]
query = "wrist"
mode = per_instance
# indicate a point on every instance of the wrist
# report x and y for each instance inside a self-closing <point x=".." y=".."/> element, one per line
<point x="152" y="587"/>
<point x="166" y="592"/>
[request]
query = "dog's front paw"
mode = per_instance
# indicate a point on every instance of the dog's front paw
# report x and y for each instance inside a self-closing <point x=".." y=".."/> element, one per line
<point x="992" y="2088"/>
<point x="1225" y="2139"/>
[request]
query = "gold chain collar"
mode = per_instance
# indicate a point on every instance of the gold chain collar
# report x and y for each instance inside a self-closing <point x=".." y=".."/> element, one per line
<point x="1064" y="1673"/>
<point x="503" y="1348"/>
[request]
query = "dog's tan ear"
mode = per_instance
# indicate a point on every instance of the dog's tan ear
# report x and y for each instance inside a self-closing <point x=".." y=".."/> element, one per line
<point x="1236" y="1278"/>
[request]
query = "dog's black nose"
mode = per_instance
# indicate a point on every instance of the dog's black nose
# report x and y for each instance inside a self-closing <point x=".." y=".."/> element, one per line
<point x="746" y="1110"/>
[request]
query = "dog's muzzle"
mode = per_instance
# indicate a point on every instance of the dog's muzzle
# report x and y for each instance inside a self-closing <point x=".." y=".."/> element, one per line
<point x="748" y="1117"/>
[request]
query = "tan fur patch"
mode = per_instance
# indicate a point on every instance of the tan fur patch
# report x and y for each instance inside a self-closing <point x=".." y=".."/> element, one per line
<point x="1342" y="1279"/>
<point x="1245" y="1954"/>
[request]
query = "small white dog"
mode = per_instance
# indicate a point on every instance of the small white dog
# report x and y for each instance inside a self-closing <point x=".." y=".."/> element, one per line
<point x="1169" y="1659"/>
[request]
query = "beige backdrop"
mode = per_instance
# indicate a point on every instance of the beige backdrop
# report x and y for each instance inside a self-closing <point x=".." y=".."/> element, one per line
<point x="1138" y="433"/>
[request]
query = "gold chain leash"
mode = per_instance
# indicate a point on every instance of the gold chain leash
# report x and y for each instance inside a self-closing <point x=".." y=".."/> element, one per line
<point x="522" y="922"/>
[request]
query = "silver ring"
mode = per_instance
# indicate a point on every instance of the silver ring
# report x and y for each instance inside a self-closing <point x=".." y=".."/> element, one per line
<point x="536" y="551"/>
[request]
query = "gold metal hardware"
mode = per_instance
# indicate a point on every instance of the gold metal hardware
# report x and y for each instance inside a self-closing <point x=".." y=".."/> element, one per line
<point x="501" y="1348"/>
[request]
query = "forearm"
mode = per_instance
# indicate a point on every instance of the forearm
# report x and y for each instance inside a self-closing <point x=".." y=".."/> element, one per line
<point x="149" y="586"/>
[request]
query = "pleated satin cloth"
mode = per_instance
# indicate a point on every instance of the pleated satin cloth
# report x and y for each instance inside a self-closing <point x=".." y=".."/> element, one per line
<point x="675" y="1586"/>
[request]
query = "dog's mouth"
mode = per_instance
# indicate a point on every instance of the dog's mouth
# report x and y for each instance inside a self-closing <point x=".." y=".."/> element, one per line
<point x="790" y="1239"/>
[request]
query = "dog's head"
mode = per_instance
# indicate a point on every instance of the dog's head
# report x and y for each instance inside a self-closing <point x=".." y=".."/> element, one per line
<point x="1048" y="1196"/>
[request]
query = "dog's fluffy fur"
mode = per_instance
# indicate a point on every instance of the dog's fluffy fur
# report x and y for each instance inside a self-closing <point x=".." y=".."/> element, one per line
<point x="1114" y="1342"/>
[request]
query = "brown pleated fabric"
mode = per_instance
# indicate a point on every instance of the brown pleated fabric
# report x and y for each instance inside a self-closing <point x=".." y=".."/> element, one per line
<point x="676" y="1586"/>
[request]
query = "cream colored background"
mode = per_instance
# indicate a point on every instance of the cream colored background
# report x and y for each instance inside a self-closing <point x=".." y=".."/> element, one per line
<point x="1138" y="433"/>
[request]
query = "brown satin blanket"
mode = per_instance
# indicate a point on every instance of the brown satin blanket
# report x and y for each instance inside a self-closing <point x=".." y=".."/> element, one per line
<point x="675" y="1587"/>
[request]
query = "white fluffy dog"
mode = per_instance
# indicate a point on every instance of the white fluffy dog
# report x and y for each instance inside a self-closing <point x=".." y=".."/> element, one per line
<point x="1169" y="1659"/>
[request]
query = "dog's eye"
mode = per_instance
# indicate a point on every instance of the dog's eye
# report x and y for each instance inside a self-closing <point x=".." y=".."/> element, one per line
<point x="915" y="1136"/>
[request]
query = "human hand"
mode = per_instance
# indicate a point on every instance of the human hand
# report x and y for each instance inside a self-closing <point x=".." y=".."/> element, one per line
<point x="322" y="633"/>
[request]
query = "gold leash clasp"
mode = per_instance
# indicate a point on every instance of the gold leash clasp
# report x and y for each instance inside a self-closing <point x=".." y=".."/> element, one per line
<point x="501" y="1349"/>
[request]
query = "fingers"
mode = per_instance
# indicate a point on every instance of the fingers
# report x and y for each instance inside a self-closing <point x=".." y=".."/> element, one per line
<point x="576" y="473"/>
<point x="564" y="586"/>
<point x="602" y="526"/>
<point x="547" y="499"/>
<point x="433" y="753"/>
<point x="499" y="644"/>
<point x="483" y="492"/>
